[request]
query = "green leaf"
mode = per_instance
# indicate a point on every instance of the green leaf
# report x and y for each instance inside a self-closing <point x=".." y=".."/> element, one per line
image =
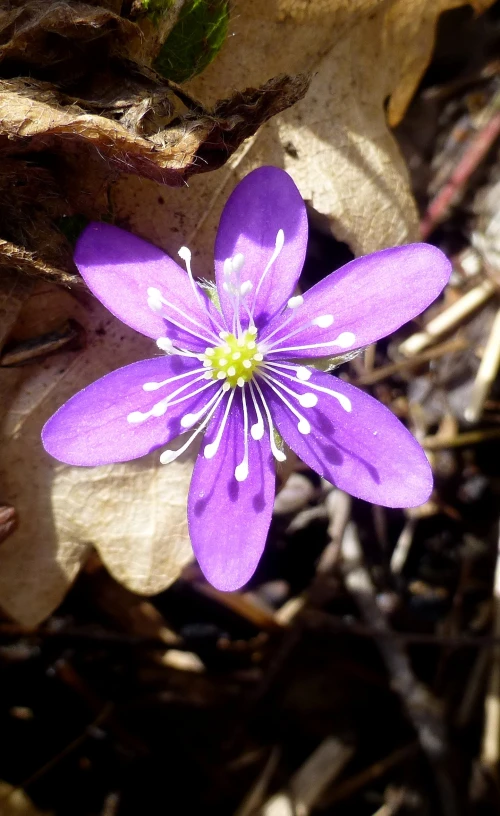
<point x="195" y="39"/>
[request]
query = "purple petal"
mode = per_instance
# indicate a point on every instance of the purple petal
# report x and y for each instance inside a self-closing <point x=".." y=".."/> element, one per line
<point x="119" y="268"/>
<point x="368" y="299"/>
<point x="265" y="202"/>
<point x="92" y="427"/>
<point x="229" y="520"/>
<point x="366" y="452"/>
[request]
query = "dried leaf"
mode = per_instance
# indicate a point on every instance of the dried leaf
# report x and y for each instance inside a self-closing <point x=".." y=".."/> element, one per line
<point x="336" y="143"/>
<point x="134" y="514"/>
<point x="14" y="802"/>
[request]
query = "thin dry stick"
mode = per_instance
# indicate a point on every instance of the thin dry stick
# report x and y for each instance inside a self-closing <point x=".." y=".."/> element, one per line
<point x="256" y="794"/>
<point x="459" y="440"/>
<point x="490" y="749"/>
<point x="450" y="346"/>
<point x="480" y="145"/>
<point x="309" y="782"/>
<point x="486" y="374"/>
<point x="403" y="545"/>
<point x="448" y="319"/>
<point x="420" y="705"/>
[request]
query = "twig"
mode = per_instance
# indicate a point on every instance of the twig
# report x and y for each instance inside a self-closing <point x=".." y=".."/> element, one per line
<point x="373" y="772"/>
<point x="254" y="797"/>
<point x="486" y="374"/>
<point x="403" y="545"/>
<point x="490" y="750"/>
<point x="448" y="319"/>
<point x="450" y="346"/>
<point x="459" y="440"/>
<point x="309" y="782"/>
<point x="476" y="151"/>
<point x="421" y="707"/>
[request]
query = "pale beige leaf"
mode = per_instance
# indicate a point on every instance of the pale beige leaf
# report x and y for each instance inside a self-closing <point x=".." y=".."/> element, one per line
<point x="335" y="142"/>
<point x="14" y="802"/>
<point x="134" y="514"/>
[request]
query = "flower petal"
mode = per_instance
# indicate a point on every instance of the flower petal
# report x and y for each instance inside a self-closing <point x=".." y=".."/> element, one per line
<point x="119" y="268"/>
<point x="229" y="520"/>
<point x="366" y="451"/>
<point x="92" y="427"/>
<point x="367" y="299"/>
<point x="265" y="202"/>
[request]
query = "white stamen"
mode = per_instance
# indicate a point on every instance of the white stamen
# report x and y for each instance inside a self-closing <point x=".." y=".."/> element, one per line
<point x="153" y="386"/>
<point x="323" y="321"/>
<point x="240" y="381"/>
<point x="245" y="288"/>
<point x="295" y="302"/>
<point x="237" y="263"/>
<point x="344" y="401"/>
<point x="247" y="364"/>
<point x="236" y="355"/>
<point x="169" y="455"/>
<point x="301" y="372"/>
<point x="257" y="430"/>
<point x="306" y="400"/>
<point x="161" y="407"/>
<point x="221" y="375"/>
<point x="280" y="240"/>
<point x="209" y="352"/>
<point x="164" y="343"/>
<point x="212" y="448"/>
<point x="185" y="254"/>
<point x="222" y="361"/>
<point x="303" y="427"/>
<point x="241" y="470"/>
<point x="345" y="340"/>
<point x="155" y="297"/>
<point x="231" y="370"/>
<point x="278" y="455"/>
<point x="189" y="419"/>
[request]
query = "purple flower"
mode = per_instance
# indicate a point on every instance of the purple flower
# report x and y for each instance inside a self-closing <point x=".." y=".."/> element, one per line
<point x="241" y="374"/>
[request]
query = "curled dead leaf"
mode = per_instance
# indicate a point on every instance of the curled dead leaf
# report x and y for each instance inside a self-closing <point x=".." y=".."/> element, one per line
<point x="134" y="514"/>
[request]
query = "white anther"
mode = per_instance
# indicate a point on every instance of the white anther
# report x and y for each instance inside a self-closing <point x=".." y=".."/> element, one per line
<point x="241" y="472"/>
<point x="345" y="340"/>
<point x="209" y="352"/>
<point x="223" y="335"/>
<point x="252" y="330"/>
<point x="308" y="400"/>
<point x="237" y="262"/>
<point x="295" y="302"/>
<point x="136" y="416"/>
<point x="323" y="321"/>
<point x="258" y="357"/>
<point x="236" y="355"/>
<point x="155" y="300"/>
<point x="251" y="344"/>
<point x="225" y="286"/>
<point x="185" y="254"/>
<point x="228" y="268"/>
<point x="240" y="381"/>
<point x="304" y="427"/>
<point x="222" y="361"/>
<point x="152" y="386"/>
<point x="221" y="375"/>
<point x="303" y="373"/>
<point x="164" y="343"/>
<point x="245" y="288"/>
<point x="247" y="364"/>
<point x="231" y="371"/>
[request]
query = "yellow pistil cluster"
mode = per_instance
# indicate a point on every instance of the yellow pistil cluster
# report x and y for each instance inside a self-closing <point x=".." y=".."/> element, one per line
<point x="236" y="359"/>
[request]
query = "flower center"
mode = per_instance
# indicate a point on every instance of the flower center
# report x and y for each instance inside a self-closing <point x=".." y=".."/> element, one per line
<point x="236" y="359"/>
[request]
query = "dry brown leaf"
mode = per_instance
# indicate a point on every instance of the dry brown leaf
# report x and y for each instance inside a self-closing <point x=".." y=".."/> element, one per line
<point x="134" y="514"/>
<point x="335" y="142"/>
<point x="14" y="802"/>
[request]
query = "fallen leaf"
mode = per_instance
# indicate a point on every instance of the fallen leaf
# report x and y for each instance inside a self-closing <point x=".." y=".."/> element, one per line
<point x="134" y="513"/>
<point x="14" y="802"/>
<point x="335" y="143"/>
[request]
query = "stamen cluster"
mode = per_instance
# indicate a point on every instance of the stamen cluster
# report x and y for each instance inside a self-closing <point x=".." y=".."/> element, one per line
<point x="236" y="360"/>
